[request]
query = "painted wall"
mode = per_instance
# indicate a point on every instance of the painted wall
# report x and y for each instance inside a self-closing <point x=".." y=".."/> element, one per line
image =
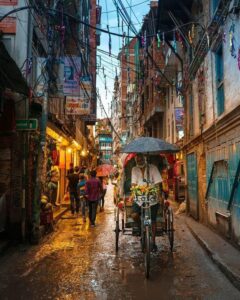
<point x="17" y="43"/>
<point x="225" y="147"/>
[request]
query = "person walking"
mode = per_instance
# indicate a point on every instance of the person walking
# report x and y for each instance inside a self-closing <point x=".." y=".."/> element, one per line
<point x="71" y="169"/>
<point x="82" y="195"/>
<point x="93" y="194"/>
<point x="103" y="181"/>
<point x="73" y="178"/>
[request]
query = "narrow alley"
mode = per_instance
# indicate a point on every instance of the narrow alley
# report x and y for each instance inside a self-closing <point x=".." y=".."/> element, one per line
<point x="79" y="262"/>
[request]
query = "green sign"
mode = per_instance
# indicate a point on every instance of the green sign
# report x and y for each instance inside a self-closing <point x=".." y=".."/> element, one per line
<point x="30" y="124"/>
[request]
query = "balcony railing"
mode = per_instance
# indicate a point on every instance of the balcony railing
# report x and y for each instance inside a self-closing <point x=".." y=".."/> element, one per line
<point x="209" y="36"/>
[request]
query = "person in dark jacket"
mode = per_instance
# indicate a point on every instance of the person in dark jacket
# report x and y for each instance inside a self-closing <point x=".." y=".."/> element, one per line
<point x="73" y="178"/>
<point x="93" y="194"/>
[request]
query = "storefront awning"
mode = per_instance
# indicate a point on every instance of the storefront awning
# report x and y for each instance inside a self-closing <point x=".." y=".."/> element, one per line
<point x="10" y="75"/>
<point x="57" y="134"/>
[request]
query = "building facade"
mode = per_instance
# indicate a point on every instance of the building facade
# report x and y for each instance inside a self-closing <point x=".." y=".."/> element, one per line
<point x="104" y="141"/>
<point x="187" y="79"/>
<point x="52" y="86"/>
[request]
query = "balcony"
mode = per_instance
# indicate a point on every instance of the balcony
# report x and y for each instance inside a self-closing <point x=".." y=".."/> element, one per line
<point x="209" y="37"/>
<point x="155" y="107"/>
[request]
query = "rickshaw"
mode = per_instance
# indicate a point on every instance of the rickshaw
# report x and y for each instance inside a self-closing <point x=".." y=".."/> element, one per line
<point x="124" y="222"/>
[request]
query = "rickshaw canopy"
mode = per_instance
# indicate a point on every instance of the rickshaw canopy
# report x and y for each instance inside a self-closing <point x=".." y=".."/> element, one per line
<point x="150" y="145"/>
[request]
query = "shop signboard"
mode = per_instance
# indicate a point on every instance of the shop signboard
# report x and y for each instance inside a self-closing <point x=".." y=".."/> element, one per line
<point x="27" y="124"/>
<point x="106" y="139"/>
<point x="179" y="117"/>
<point x="72" y="72"/>
<point x="8" y="25"/>
<point x="8" y="2"/>
<point x="77" y="106"/>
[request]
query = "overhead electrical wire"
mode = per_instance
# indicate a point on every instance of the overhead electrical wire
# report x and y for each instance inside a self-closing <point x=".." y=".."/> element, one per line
<point x="132" y="11"/>
<point x="100" y="29"/>
<point x="134" y="5"/>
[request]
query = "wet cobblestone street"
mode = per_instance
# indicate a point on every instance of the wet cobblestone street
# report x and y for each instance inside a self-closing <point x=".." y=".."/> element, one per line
<point x="79" y="262"/>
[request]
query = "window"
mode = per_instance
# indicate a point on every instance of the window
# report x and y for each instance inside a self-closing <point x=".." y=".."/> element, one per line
<point x="219" y="81"/>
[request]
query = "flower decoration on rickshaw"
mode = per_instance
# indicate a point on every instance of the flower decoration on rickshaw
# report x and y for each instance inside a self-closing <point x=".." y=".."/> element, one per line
<point x="140" y="190"/>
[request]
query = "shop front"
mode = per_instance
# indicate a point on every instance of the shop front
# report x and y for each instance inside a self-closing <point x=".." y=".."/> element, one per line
<point x="62" y="151"/>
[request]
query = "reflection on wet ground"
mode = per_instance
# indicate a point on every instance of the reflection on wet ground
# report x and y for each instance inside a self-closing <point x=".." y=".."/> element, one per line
<point x="79" y="262"/>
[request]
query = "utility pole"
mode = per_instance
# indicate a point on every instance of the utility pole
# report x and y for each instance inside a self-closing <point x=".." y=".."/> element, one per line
<point x="26" y="134"/>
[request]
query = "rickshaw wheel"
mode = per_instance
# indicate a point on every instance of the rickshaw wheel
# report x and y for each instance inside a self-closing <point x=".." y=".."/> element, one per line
<point x="147" y="251"/>
<point x="170" y="228"/>
<point x="143" y="239"/>
<point x="117" y="231"/>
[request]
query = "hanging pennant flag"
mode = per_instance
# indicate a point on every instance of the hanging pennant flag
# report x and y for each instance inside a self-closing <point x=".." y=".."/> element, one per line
<point x="105" y="82"/>
<point x="118" y="19"/>
<point x="193" y="31"/>
<point x="123" y="39"/>
<point x="109" y="41"/>
<point x="190" y="37"/>
<point x="174" y="42"/>
<point x="208" y="40"/>
<point x="179" y="37"/>
<point x="145" y="41"/>
<point x="232" y="41"/>
<point x="158" y="39"/>
<point x="224" y="37"/>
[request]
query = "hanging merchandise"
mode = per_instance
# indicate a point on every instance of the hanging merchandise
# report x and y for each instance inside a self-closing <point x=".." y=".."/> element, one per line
<point x="158" y="39"/>
<point x="232" y="41"/>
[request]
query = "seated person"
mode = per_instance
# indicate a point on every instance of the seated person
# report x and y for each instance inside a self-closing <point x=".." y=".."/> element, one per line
<point x="139" y="177"/>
